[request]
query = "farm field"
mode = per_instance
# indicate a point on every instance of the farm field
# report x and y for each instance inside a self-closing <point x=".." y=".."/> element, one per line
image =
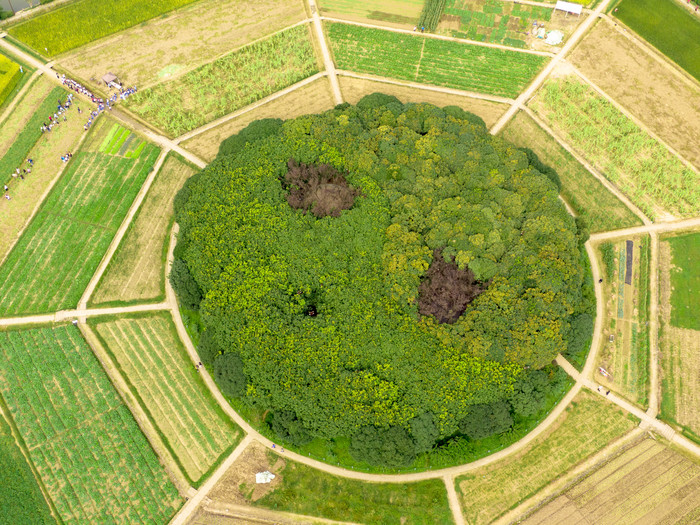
<point x="401" y="13"/>
<point x="587" y="425"/>
<point x="209" y="92"/>
<point x="164" y="48"/>
<point x="63" y="244"/>
<point x="647" y="483"/>
<point x="94" y="461"/>
<point x="314" y="97"/>
<point x="624" y="351"/>
<point x="635" y="79"/>
<point x="651" y="20"/>
<point x="505" y="23"/>
<point x="580" y="189"/>
<point x="653" y="178"/>
<point x="9" y="77"/>
<point x="46" y="154"/>
<point x="160" y="373"/>
<point x="137" y="269"/>
<point x="303" y="490"/>
<point x="680" y="334"/>
<point x="21" y="114"/>
<point x="431" y="61"/>
<point x="97" y="19"/>
<point x="21" y="499"/>
<point x="354" y="89"/>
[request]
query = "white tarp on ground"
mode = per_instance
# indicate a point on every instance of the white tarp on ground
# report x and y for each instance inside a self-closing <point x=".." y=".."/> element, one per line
<point x="554" y="38"/>
<point x="264" y="477"/>
<point x="569" y="7"/>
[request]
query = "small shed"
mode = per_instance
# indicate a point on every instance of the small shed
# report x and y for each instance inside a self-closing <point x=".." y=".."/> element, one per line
<point x="554" y="38"/>
<point x="568" y="7"/>
<point x="264" y="477"/>
<point x="111" y="80"/>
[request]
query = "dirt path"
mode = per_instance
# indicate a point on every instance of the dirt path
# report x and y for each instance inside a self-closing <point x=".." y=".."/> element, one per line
<point x="657" y="227"/>
<point x="453" y="500"/>
<point x="581" y="30"/>
<point x="654" y="364"/>
<point x="327" y="60"/>
<point x="248" y="514"/>
<point x="440" y="37"/>
<point x="67" y="315"/>
<point x="82" y="304"/>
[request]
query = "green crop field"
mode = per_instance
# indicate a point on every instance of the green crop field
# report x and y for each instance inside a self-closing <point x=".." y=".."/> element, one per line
<point x="431" y="61"/>
<point x="21" y="499"/>
<point x="79" y="23"/>
<point x="161" y="374"/>
<point x="668" y="27"/>
<point x="588" y="425"/>
<point x="494" y="21"/>
<point x="94" y="461"/>
<point x="638" y="164"/>
<point x="580" y="189"/>
<point x="52" y="263"/>
<point x="9" y="77"/>
<point x="685" y="281"/>
<point x="30" y="134"/>
<point x="229" y="83"/>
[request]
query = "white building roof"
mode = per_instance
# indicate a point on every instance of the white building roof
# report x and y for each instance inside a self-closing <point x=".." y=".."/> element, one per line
<point x="569" y="7"/>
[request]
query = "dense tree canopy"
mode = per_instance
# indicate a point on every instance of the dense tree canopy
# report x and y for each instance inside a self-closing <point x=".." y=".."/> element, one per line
<point x="322" y="310"/>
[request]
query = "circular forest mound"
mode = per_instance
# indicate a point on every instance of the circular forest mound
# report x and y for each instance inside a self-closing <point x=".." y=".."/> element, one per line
<point x="386" y="272"/>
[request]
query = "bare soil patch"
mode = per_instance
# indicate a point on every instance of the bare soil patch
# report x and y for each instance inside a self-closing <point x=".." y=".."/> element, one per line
<point x="354" y="89"/>
<point x="320" y="189"/>
<point x="671" y="108"/>
<point x="168" y="46"/>
<point x="311" y="98"/>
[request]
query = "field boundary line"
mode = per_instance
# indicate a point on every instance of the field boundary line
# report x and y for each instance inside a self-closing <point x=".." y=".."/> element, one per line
<point x="653" y="327"/>
<point x="657" y="227"/>
<point x="440" y="37"/>
<point x="537" y="82"/>
<point x="20" y="95"/>
<point x="41" y="199"/>
<point x="650" y="50"/>
<point x="250" y="107"/>
<point x="263" y="515"/>
<point x="183" y="72"/>
<point x="426" y="87"/>
<point x="589" y="365"/>
<point x="634" y="119"/>
<point x="453" y="500"/>
<point x="121" y="232"/>
<point x="591" y="169"/>
<point x="132" y="403"/>
<point x="327" y="60"/>
<point x="192" y="504"/>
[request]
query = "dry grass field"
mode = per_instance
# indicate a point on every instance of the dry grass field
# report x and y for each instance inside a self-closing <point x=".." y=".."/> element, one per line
<point x="161" y="375"/>
<point x="648" y="484"/>
<point x="137" y="269"/>
<point x="392" y="13"/>
<point x="314" y="97"/>
<point x="580" y="189"/>
<point x="633" y="78"/>
<point x="166" y="47"/>
<point x="624" y="352"/>
<point x="354" y="89"/>
<point x="587" y="425"/>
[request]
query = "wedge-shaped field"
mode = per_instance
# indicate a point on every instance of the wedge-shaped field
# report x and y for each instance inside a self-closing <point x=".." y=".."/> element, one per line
<point x="580" y="189"/>
<point x="432" y="61"/>
<point x="229" y="83"/>
<point x="9" y="77"/>
<point x="648" y="483"/>
<point x="51" y="264"/>
<point x="587" y="425"/>
<point x="137" y="269"/>
<point x="643" y="168"/>
<point x="81" y="22"/>
<point x="93" y="459"/>
<point x="162" y="376"/>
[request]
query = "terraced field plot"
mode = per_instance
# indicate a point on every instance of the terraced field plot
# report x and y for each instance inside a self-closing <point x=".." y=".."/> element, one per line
<point x="160" y="373"/>
<point x="229" y="83"/>
<point x="397" y="12"/>
<point x="589" y="424"/>
<point x="647" y="483"/>
<point x="53" y="261"/>
<point x="137" y="269"/>
<point x="624" y="353"/>
<point x="94" y="461"/>
<point x="653" y="178"/>
<point x="431" y="61"/>
<point x="9" y="77"/>
<point x="581" y="190"/>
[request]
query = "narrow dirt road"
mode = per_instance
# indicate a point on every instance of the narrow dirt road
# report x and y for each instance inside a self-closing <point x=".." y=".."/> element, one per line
<point x="327" y="60"/>
<point x="657" y="227"/>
